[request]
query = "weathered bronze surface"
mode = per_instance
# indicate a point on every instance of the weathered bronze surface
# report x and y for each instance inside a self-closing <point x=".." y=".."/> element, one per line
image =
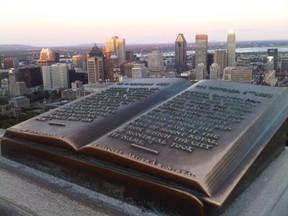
<point x="198" y="141"/>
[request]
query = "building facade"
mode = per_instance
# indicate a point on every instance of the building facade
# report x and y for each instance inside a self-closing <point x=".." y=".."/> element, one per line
<point x="155" y="61"/>
<point x="180" y="53"/>
<point x="284" y="64"/>
<point x="95" y="69"/>
<point x="116" y="45"/>
<point x="274" y="54"/>
<point x="139" y="71"/>
<point x="55" y="76"/>
<point x="201" y="48"/>
<point x="231" y="49"/>
<point x="47" y="57"/>
<point x="220" y="58"/>
<point x="238" y="74"/>
<point x="214" y="71"/>
<point x="31" y="75"/>
<point x="200" y="71"/>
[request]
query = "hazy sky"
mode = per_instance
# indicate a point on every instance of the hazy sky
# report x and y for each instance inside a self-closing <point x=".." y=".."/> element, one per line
<point x="71" y="22"/>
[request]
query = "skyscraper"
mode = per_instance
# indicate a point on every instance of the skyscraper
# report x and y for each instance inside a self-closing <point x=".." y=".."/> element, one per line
<point x="155" y="61"/>
<point x="55" y="76"/>
<point x="284" y="64"/>
<point x="47" y="57"/>
<point x="201" y="49"/>
<point x="116" y="46"/>
<point x="220" y="57"/>
<point x="95" y="65"/>
<point x="231" y="49"/>
<point x="274" y="53"/>
<point x="180" y="53"/>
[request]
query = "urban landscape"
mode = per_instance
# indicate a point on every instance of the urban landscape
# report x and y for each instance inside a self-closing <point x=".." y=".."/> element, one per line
<point x="34" y="80"/>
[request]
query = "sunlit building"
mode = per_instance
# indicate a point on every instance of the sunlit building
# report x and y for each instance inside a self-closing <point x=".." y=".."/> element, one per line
<point x="231" y="49"/>
<point x="47" y="57"/>
<point x="180" y="53"/>
<point x="79" y="61"/>
<point x="116" y="45"/>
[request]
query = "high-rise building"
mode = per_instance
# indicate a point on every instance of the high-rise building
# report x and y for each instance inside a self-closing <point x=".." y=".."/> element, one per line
<point x="60" y="78"/>
<point x="116" y="45"/>
<point x="220" y="58"/>
<point x="47" y="77"/>
<point x="78" y="61"/>
<point x="201" y="48"/>
<point x="231" y="49"/>
<point x="200" y="71"/>
<point x="95" y="65"/>
<point x="31" y="75"/>
<point x="238" y="74"/>
<point x="47" y="57"/>
<point x="284" y="64"/>
<point x="180" y="53"/>
<point x="16" y="88"/>
<point x="155" y="61"/>
<point x="55" y="76"/>
<point x="274" y="53"/>
<point x="214" y="71"/>
<point x="95" y="69"/>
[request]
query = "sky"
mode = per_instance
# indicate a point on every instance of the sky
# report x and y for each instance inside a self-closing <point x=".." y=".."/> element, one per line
<point x="71" y="22"/>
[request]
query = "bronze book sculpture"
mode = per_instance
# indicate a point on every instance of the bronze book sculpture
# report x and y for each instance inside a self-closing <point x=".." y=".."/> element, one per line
<point x="200" y="145"/>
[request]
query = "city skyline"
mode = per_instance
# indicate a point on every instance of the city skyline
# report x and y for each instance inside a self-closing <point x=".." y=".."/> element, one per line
<point x="68" y="23"/>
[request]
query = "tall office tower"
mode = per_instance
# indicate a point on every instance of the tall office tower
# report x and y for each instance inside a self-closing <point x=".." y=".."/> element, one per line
<point x="180" y="53"/>
<point x="117" y="46"/>
<point x="220" y="58"/>
<point x="47" y="57"/>
<point x="55" y="76"/>
<point x="31" y="75"/>
<point x="47" y="77"/>
<point x="200" y="71"/>
<point x="284" y="64"/>
<point x="274" y="53"/>
<point x="16" y="88"/>
<point x="95" y="65"/>
<point x="95" y="69"/>
<point x="78" y="61"/>
<point x="59" y="75"/>
<point x="210" y="60"/>
<point x="214" y="71"/>
<point x="201" y="48"/>
<point x="111" y="62"/>
<point x="129" y="56"/>
<point x="231" y="49"/>
<point x="155" y="61"/>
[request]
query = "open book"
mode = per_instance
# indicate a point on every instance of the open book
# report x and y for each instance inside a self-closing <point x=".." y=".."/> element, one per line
<point x="196" y="142"/>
